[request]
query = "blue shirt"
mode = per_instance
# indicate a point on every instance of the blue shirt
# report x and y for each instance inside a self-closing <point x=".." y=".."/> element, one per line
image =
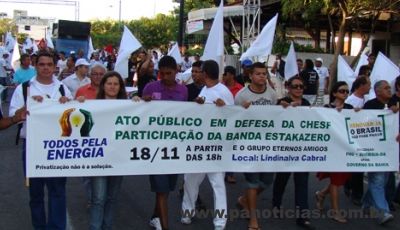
<point x="22" y="75"/>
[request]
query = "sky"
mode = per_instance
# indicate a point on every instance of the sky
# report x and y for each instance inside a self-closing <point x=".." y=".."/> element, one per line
<point x="92" y="9"/>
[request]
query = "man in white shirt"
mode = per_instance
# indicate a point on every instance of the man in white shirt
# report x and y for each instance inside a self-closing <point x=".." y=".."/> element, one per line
<point x="355" y="186"/>
<point x="61" y="63"/>
<point x="5" y="67"/>
<point x="186" y="63"/>
<point x="323" y="74"/>
<point x="216" y="93"/>
<point x="44" y="87"/>
<point x="96" y="59"/>
<point x="359" y="89"/>
<point x="79" y="78"/>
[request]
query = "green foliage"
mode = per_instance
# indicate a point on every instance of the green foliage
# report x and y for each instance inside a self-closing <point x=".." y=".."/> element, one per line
<point x="157" y="32"/>
<point x="306" y="10"/>
<point x="281" y="46"/>
<point x="151" y="32"/>
<point x="7" y="25"/>
<point x="194" y="5"/>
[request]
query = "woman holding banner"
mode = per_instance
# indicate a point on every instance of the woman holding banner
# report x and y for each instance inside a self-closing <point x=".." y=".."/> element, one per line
<point x="106" y="188"/>
<point x="337" y="96"/>
<point x="295" y="86"/>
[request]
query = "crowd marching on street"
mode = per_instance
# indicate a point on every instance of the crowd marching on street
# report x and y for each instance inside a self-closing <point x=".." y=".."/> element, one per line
<point x="48" y="74"/>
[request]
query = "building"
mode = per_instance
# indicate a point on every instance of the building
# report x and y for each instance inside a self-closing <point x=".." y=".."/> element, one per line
<point x="34" y="26"/>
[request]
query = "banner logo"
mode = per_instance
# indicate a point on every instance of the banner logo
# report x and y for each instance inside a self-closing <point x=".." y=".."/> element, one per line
<point x="366" y="129"/>
<point x="71" y="119"/>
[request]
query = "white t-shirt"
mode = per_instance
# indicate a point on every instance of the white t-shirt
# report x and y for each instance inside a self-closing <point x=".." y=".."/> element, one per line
<point x="73" y="83"/>
<point x="268" y="97"/>
<point x="185" y="78"/>
<point x="323" y="73"/>
<point x="217" y="91"/>
<point x="62" y="64"/>
<point x="355" y="101"/>
<point x="48" y="92"/>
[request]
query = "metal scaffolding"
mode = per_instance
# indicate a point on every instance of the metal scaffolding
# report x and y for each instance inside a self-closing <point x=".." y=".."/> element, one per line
<point x="251" y="22"/>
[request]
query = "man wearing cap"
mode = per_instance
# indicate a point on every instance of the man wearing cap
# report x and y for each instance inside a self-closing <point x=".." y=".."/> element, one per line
<point x="72" y="54"/>
<point x="244" y="77"/>
<point x="79" y="78"/>
<point x="323" y="74"/>
<point x="228" y="79"/>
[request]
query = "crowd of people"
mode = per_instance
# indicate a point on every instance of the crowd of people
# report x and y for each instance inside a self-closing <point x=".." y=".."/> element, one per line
<point x="73" y="77"/>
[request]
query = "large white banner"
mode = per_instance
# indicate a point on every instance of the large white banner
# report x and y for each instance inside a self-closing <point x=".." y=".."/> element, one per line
<point x="121" y="137"/>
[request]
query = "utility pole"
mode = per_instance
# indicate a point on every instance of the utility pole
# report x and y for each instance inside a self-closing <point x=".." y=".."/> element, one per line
<point x="181" y="23"/>
<point x="119" y="19"/>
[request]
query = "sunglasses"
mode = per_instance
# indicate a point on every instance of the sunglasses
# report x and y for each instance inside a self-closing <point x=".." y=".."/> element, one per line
<point x="342" y="91"/>
<point x="299" y="86"/>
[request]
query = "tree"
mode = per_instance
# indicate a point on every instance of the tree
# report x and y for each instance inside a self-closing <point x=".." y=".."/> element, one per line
<point x="348" y="12"/>
<point x="155" y="32"/>
<point x="151" y="32"/>
<point x="7" y="25"/>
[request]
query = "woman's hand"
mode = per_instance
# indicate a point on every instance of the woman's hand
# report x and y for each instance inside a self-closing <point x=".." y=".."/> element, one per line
<point x="136" y="99"/>
<point x="81" y="99"/>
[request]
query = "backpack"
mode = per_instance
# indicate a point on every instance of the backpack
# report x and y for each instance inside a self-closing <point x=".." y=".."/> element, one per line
<point x="25" y="86"/>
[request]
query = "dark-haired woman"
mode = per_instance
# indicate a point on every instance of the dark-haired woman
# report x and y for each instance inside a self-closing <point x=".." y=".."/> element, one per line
<point x="106" y="188"/>
<point x="295" y="86"/>
<point x="338" y="95"/>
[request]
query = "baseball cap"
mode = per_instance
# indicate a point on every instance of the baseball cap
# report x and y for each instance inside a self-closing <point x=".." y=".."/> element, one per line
<point x="81" y="61"/>
<point x="230" y="69"/>
<point x="319" y="59"/>
<point x="247" y="63"/>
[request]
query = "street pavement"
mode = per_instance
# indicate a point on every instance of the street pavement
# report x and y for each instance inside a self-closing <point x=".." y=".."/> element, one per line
<point x="136" y="202"/>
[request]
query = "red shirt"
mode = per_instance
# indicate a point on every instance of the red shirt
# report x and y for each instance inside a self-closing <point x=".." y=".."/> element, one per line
<point x="88" y="91"/>
<point x="235" y="88"/>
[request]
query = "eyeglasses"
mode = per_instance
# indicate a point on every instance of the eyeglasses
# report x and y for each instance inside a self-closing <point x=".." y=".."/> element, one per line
<point x="299" y="86"/>
<point x="342" y="91"/>
<point x="96" y="74"/>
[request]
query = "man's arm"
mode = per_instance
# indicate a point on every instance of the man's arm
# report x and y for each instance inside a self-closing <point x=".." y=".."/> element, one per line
<point x="17" y="101"/>
<point x="20" y="115"/>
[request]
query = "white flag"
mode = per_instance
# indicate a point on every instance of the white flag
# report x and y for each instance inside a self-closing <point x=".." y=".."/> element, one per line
<point x="128" y="45"/>
<point x="214" y="48"/>
<point x="362" y="61"/>
<point x="10" y="42"/>
<point x="175" y="53"/>
<point x="90" y="49"/>
<point x="35" y="47"/>
<point x="27" y="45"/>
<point x="384" y="69"/>
<point x="15" y="63"/>
<point x="48" y="40"/>
<point x="262" y="46"/>
<point x="291" y="68"/>
<point x="345" y="73"/>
